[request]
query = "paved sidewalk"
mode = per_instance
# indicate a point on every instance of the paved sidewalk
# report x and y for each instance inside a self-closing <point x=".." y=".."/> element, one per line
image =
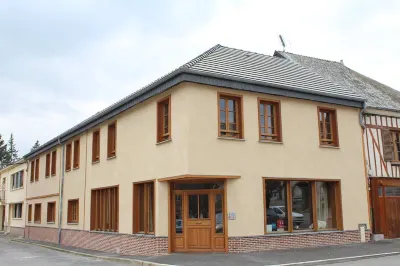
<point x="323" y="255"/>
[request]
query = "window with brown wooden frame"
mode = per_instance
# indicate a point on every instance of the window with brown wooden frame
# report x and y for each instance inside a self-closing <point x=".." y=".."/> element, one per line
<point x="68" y="157"/>
<point x="37" y="216"/>
<point x="73" y="211"/>
<point x="77" y="151"/>
<point x="47" y="169"/>
<point x="51" y="212"/>
<point x="104" y="209"/>
<point x="53" y="163"/>
<point x="112" y="140"/>
<point x="96" y="146"/>
<point x="302" y="205"/>
<point x="37" y="161"/>
<point x="33" y="171"/>
<point x="391" y="145"/>
<point x="164" y="119"/>
<point x="143" y="215"/>
<point x="29" y="213"/>
<point x="269" y="120"/>
<point x="230" y="116"/>
<point x="327" y="123"/>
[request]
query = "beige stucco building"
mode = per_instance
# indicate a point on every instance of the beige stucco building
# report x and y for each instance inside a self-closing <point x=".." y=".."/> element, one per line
<point x="219" y="155"/>
<point x="13" y="190"/>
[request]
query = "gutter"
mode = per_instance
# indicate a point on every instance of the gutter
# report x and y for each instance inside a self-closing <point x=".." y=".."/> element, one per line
<point x="61" y="192"/>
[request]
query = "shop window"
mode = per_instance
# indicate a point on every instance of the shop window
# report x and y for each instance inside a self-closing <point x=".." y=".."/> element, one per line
<point x="302" y="205"/>
<point x="143" y="215"/>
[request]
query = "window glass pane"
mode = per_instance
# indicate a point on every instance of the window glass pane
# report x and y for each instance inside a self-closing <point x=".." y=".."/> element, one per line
<point x="302" y="205"/>
<point x="231" y="105"/>
<point x="276" y="206"/>
<point x="261" y="109"/>
<point x="219" y="217"/>
<point x="166" y="109"/>
<point x="151" y="204"/>
<point x="203" y="206"/>
<point x="232" y="127"/>
<point x="232" y="117"/>
<point x="193" y="207"/>
<point x="222" y="104"/>
<point x="222" y="117"/>
<point x="392" y="191"/>
<point x="380" y="192"/>
<point x="141" y="207"/>
<point x="178" y="214"/>
<point x="326" y="212"/>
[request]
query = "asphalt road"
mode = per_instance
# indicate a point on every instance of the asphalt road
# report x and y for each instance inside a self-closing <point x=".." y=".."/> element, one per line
<point x="383" y="261"/>
<point x="16" y="254"/>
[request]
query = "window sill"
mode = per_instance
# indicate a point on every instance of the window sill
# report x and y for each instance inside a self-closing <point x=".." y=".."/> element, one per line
<point x="37" y="222"/>
<point x="51" y="222"/>
<point x="227" y="138"/>
<point x="395" y="162"/>
<point x="164" y="141"/>
<point x="96" y="162"/>
<point x="329" y="146"/>
<point x="112" y="157"/>
<point x="53" y="175"/>
<point x="16" y="218"/>
<point x="143" y="234"/>
<point x="327" y="231"/>
<point x="14" y="189"/>
<point x="75" y="168"/>
<point x="270" y="141"/>
<point x="47" y="176"/>
<point x="74" y="223"/>
<point x="69" y="170"/>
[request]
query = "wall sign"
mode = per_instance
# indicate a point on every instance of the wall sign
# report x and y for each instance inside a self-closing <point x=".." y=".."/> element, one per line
<point x="231" y="215"/>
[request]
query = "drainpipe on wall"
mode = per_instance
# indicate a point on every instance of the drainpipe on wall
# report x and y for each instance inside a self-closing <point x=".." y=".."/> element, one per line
<point x="61" y="193"/>
<point x="362" y="115"/>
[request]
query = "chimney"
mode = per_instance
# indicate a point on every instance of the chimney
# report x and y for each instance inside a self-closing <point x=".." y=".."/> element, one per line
<point x="341" y="61"/>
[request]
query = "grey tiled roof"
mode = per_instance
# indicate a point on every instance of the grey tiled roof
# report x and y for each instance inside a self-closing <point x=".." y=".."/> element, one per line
<point x="377" y="95"/>
<point x="268" y="70"/>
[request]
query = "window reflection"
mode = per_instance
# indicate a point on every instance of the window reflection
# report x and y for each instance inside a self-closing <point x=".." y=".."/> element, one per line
<point x="219" y="218"/>
<point x="276" y="206"/>
<point x="326" y="212"/>
<point x="178" y="214"/>
<point x="301" y="205"/>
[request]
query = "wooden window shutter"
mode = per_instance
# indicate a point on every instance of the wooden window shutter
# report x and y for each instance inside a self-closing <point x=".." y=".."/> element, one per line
<point x="387" y="143"/>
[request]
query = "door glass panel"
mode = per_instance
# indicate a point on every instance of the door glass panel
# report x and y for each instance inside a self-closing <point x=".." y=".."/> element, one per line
<point x="276" y="207"/>
<point x="193" y="206"/>
<point x="141" y="208"/>
<point x="392" y="191"/>
<point x="302" y="205"/>
<point x="219" y="218"/>
<point x="178" y="214"/>
<point x="150" y="207"/>
<point x="203" y="206"/>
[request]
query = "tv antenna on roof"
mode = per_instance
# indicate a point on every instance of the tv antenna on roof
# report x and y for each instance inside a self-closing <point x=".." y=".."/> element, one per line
<point x="282" y="41"/>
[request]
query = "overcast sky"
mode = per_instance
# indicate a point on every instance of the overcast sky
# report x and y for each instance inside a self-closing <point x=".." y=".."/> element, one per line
<point x="62" y="61"/>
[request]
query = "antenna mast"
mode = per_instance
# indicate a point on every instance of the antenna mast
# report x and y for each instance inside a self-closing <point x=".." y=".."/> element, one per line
<point x="283" y="42"/>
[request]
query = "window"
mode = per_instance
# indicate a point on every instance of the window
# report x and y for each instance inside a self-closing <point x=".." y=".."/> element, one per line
<point x="328" y="135"/>
<point x="96" y="147"/>
<point x="33" y="171"/>
<point x="37" y="213"/>
<point x="53" y="163"/>
<point x="73" y="211"/>
<point x="112" y="140"/>
<point x="68" y="157"/>
<point x="301" y="205"/>
<point x="164" y="119"/>
<point x="76" y="153"/>
<point x="230" y="116"/>
<point x="143" y="215"/>
<point x="269" y="120"/>
<point x="51" y="212"/>
<point x="47" y="170"/>
<point x="17" y="211"/>
<point x="104" y="210"/>
<point x="17" y="180"/>
<point x="29" y="213"/>
<point x="37" y="169"/>
<point x="391" y="145"/>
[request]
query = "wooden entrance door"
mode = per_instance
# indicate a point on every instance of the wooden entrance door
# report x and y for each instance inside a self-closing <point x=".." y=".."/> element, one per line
<point x="393" y="216"/>
<point x="199" y="220"/>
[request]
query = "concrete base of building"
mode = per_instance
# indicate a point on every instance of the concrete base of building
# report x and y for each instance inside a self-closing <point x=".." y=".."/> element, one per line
<point x="148" y="245"/>
<point x="17" y="231"/>
<point x="377" y="237"/>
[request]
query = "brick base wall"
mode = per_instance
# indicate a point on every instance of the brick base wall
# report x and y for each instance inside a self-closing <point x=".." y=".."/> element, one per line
<point x="17" y="231"/>
<point x="279" y="242"/>
<point x="42" y="233"/>
<point x="116" y="243"/>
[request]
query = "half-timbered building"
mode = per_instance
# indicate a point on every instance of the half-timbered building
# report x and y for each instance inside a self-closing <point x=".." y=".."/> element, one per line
<point x="380" y="120"/>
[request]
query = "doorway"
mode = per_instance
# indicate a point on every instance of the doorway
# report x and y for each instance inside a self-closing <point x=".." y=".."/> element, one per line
<point x="198" y="217"/>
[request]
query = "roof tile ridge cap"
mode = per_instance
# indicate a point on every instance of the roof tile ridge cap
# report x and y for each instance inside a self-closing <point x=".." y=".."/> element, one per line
<point x="247" y="51"/>
<point x="312" y="57"/>
<point x="201" y="57"/>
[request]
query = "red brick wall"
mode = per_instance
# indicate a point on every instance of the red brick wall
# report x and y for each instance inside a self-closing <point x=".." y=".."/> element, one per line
<point x="116" y="243"/>
<point x="17" y="231"/>
<point x="265" y="242"/>
<point x="42" y="233"/>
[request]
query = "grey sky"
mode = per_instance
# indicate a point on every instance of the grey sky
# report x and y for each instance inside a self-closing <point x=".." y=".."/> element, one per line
<point x="62" y="61"/>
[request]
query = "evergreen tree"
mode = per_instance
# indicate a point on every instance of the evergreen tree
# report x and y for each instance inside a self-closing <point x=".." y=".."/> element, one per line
<point x="3" y="153"/>
<point x="12" y="151"/>
<point x="35" y="146"/>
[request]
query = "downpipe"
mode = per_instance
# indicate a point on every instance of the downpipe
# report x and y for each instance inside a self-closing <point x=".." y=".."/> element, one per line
<point x="61" y="192"/>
